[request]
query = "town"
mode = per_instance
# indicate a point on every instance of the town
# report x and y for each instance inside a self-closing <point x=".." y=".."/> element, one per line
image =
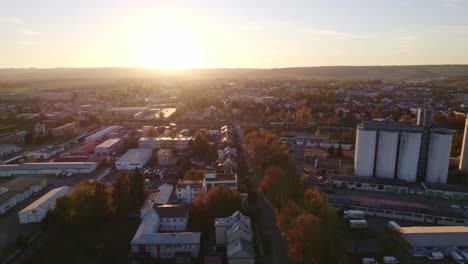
<point x="246" y="171"/>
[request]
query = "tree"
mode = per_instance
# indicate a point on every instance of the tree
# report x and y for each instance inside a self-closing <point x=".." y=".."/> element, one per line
<point x="331" y="151"/>
<point x="137" y="192"/>
<point x="304" y="239"/>
<point x="276" y="185"/>
<point x="102" y="202"/>
<point x="50" y="136"/>
<point x="194" y="175"/>
<point x="120" y="195"/>
<point x="200" y="145"/>
<point x="339" y="151"/>
<point x="287" y="215"/>
<point x="219" y="201"/>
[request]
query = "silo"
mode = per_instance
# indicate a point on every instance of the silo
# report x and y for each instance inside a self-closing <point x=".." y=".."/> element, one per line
<point x="464" y="151"/>
<point x="386" y="154"/>
<point x="438" y="157"/>
<point x="364" y="154"/>
<point x="408" y="156"/>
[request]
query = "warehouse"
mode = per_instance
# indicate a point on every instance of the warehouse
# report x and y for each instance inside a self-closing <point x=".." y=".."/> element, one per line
<point x="15" y="190"/>
<point x="391" y="150"/>
<point x="8" y="149"/>
<point x="101" y="133"/>
<point x="421" y="240"/>
<point x="36" y="211"/>
<point x="134" y="158"/>
<point x="47" y="168"/>
<point x="109" y="147"/>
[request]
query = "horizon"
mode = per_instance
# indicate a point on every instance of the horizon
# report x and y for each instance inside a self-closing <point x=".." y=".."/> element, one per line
<point x="209" y="34"/>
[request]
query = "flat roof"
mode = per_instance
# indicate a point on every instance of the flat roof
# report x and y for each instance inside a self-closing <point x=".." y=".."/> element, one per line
<point x="373" y="180"/>
<point x="48" y="165"/>
<point x="135" y="155"/>
<point x="434" y="236"/>
<point x="172" y="210"/>
<point x="17" y="185"/>
<point x="109" y="143"/>
<point x="164" y="194"/>
<point x="47" y="201"/>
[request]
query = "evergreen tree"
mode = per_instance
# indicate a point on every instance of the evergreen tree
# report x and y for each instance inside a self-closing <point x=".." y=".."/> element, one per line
<point x="137" y="192"/>
<point x="120" y="195"/>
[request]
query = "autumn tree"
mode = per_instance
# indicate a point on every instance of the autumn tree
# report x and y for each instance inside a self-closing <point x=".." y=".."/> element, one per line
<point x="200" y="146"/>
<point x="219" y="201"/>
<point x="194" y="175"/>
<point x="277" y="186"/>
<point x="120" y="195"/>
<point x="304" y="239"/>
<point x="137" y="191"/>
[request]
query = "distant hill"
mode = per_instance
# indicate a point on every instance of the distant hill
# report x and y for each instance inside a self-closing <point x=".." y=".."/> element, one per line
<point x="331" y="72"/>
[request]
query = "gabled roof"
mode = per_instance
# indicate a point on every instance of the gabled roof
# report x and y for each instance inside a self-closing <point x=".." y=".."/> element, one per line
<point x="239" y="226"/>
<point x="231" y="220"/>
<point x="239" y="245"/>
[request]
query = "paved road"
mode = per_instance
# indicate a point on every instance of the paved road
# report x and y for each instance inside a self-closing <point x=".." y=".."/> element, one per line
<point x="268" y="220"/>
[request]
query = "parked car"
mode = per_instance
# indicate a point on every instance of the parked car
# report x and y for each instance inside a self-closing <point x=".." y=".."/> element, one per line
<point x="390" y="260"/>
<point x="436" y="255"/>
<point x="369" y="261"/>
<point x="457" y="258"/>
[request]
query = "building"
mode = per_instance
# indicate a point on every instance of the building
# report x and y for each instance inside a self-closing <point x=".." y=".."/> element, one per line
<point x="179" y="143"/>
<point x="240" y="251"/>
<point x="172" y="217"/>
<point x="392" y="150"/>
<point x="228" y="164"/>
<point x="216" y="178"/>
<point x="164" y="194"/>
<point x="36" y="211"/>
<point x="464" y="151"/>
<point x="15" y="190"/>
<point x="323" y="166"/>
<point x="187" y="190"/>
<point x="65" y="130"/>
<point x="13" y="137"/>
<point x="109" y="147"/>
<point x="421" y="240"/>
<point x="134" y="158"/>
<point x="222" y="225"/>
<point x="228" y="151"/>
<point x="8" y="149"/>
<point x="165" y="157"/>
<point x="315" y="153"/>
<point x="424" y="117"/>
<point x="101" y="133"/>
<point x="148" y="243"/>
<point x="47" y="168"/>
<point x="45" y="153"/>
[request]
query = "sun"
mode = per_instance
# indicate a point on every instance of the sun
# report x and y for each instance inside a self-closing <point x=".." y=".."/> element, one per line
<point x="170" y="48"/>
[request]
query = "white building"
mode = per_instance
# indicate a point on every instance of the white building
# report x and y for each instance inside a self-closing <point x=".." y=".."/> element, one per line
<point x="392" y="150"/>
<point x="109" y="147"/>
<point x="36" y="211"/>
<point x="102" y="133"/>
<point x="47" y="168"/>
<point x="215" y="178"/>
<point x="172" y="217"/>
<point x="187" y="190"/>
<point x="165" y="157"/>
<point x="240" y="251"/>
<point x="45" y="153"/>
<point x="147" y="243"/>
<point x="222" y="225"/>
<point x="8" y="149"/>
<point x="179" y="143"/>
<point x="165" y="192"/>
<point x="134" y="158"/>
<point x="15" y="190"/>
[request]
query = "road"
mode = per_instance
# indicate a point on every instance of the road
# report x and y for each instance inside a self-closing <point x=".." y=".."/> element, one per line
<point x="268" y="219"/>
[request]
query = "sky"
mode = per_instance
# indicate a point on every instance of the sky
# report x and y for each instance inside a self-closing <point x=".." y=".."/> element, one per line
<point x="231" y="34"/>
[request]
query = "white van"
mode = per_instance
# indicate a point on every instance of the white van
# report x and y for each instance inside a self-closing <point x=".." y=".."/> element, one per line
<point x="455" y="256"/>
<point x="353" y="214"/>
<point x="464" y="254"/>
<point x="437" y="255"/>
<point x="358" y="223"/>
<point x="390" y="260"/>
<point x="369" y="261"/>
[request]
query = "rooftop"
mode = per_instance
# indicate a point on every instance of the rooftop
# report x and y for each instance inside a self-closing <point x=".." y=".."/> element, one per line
<point x="109" y="143"/>
<point x="135" y="155"/>
<point x="13" y="186"/>
<point x="172" y="210"/>
<point x="47" y="201"/>
<point x="192" y="184"/>
<point x="48" y="165"/>
<point x="433" y="236"/>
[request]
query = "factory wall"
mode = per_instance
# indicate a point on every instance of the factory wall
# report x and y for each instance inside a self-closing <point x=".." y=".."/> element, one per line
<point x="408" y="156"/>
<point x="438" y="158"/>
<point x="386" y="154"/>
<point x="365" y="152"/>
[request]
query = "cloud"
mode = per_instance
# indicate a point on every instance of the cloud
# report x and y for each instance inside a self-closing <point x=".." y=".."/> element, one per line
<point x="10" y="20"/>
<point x="31" y="33"/>
<point x="334" y="33"/>
<point x="27" y="42"/>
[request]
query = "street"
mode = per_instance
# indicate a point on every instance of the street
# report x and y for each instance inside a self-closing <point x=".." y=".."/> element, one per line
<point x="268" y="220"/>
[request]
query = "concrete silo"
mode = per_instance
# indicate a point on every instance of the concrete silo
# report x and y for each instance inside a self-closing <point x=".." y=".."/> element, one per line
<point x="364" y="154"/>
<point x="408" y="156"/>
<point x="438" y="157"/>
<point x="464" y="151"/>
<point x="386" y="154"/>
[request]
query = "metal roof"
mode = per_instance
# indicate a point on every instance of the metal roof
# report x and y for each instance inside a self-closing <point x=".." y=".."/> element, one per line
<point x="434" y="236"/>
<point x="49" y="165"/>
<point x="136" y="155"/>
<point x="47" y="201"/>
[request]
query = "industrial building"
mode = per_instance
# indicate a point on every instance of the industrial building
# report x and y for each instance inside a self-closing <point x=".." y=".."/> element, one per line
<point x="8" y="149"/>
<point x="109" y="147"/>
<point x="65" y="130"/>
<point x="421" y="240"/>
<point x="179" y="143"/>
<point x="102" y="133"/>
<point x="15" y="190"/>
<point x="392" y="150"/>
<point x="134" y="158"/>
<point x="36" y="211"/>
<point x="47" y="168"/>
<point x="464" y="151"/>
<point x="45" y="153"/>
